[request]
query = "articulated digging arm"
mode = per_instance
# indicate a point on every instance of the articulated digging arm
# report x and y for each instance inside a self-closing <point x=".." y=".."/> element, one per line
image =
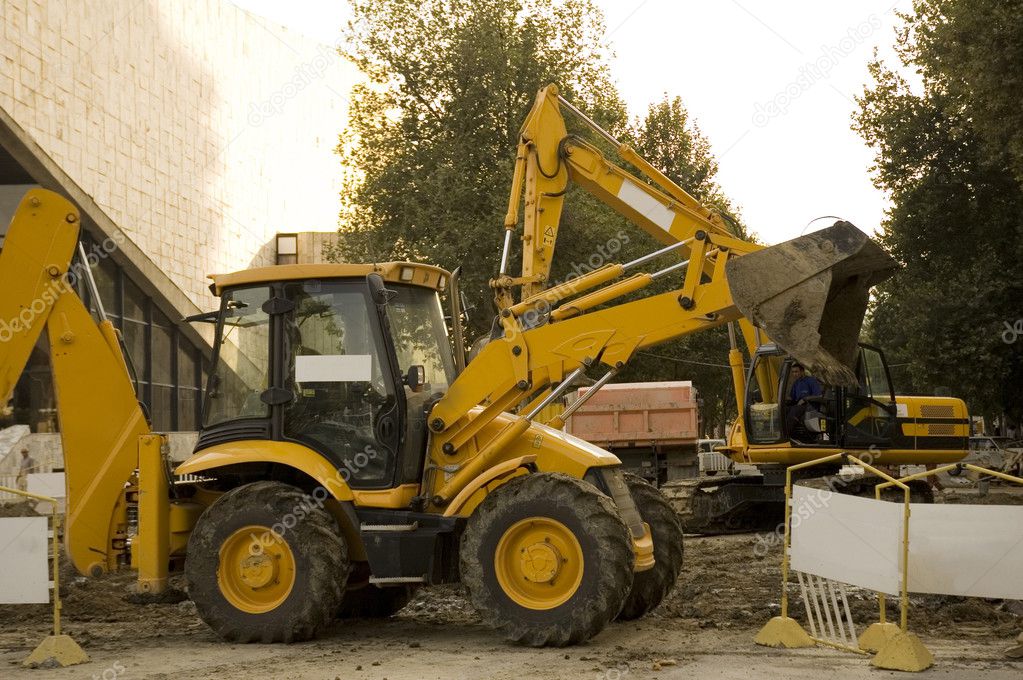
<point x="101" y="421"/>
<point x="809" y="294"/>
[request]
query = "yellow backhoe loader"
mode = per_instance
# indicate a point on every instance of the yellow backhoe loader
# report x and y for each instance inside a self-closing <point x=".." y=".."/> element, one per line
<point x="347" y="456"/>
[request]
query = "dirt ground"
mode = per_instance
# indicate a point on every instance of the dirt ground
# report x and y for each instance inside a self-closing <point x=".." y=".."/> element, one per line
<point x="729" y="588"/>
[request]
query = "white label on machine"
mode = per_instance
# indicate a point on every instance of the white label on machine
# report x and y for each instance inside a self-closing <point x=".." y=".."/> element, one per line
<point x="46" y="484"/>
<point x="334" y="368"/>
<point x="24" y="557"/>
<point x="901" y="411"/>
<point x="846" y="538"/>
<point x="646" y="205"/>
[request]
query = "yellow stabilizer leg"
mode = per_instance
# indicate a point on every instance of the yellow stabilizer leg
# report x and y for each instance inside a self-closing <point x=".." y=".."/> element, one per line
<point x="877" y="636"/>
<point x="904" y="652"/>
<point x="783" y="631"/>
<point x="59" y="649"/>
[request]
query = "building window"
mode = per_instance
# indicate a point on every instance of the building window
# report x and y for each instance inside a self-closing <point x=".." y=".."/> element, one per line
<point x="287" y="248"/>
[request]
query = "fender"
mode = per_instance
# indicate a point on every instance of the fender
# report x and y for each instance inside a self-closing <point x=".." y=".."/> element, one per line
<point x="499" y="472"/>
<point x="262" y="451"/>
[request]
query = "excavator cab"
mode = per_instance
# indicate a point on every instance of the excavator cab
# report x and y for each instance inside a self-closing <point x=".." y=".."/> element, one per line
<point x="816" y="413"/>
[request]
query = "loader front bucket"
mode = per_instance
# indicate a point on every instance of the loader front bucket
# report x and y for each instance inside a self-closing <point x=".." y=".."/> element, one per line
<point x="810" y="295"/>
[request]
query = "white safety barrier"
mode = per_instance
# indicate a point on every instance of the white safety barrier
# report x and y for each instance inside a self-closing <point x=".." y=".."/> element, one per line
<point x="24" y="558"/>
<point x="833" y="540"/>
<point x="967" y="550"/>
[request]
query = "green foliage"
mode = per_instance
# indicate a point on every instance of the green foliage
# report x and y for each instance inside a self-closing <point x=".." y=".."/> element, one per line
<point x="431" y="141"/>
<point x="956" y="221"/>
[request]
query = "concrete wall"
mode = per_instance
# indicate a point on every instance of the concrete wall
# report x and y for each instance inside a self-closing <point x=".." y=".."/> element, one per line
<point x="200" y="130"/>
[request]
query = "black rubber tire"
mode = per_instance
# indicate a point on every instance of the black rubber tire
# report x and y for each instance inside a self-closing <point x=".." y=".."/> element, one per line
<point x="321" y="564"/>
<point x="372" y="602"/>
<point x="650" y="587"/>
<point x="606" y="547"/>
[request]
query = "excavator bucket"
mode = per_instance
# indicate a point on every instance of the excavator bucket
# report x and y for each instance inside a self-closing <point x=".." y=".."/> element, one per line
<point x="810" y="295"/>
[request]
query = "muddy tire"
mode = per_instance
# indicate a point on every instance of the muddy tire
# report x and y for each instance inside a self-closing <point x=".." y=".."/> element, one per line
<point x="371" y="602"/>
<point x="250" y="584"/>
<point x="547" y="560"/>
<point x="651" y="586"/>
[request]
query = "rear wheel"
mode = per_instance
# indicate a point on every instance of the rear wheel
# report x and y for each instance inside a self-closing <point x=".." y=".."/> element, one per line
<point x="266" y="564"/>
<point x="547" y="560"/>
<point x="651" y="586"/>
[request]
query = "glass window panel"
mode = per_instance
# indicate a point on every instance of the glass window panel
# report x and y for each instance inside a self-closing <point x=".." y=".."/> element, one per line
<point x="163" y="347"/>
<point x="105" y="274"/>
<point x="243" y="364"/>
<point x="135" y="341"/>
<point x="187" y="408"/>
<point x="186" y="363"/>
<point x="134" y="301"/>
<point x="161" y="409"/>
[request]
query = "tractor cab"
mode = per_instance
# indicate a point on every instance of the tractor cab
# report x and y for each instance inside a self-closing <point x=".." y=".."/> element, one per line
<point x="345" y="360"/>
<point x="785" y="403"/>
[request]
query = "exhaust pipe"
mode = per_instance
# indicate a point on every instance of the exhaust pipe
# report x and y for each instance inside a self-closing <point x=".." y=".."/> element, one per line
<point x="810" y="295"/>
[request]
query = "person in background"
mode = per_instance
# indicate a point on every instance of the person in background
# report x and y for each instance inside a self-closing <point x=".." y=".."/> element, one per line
<point x="803" y="385"/>
<point x="27" y="465"/>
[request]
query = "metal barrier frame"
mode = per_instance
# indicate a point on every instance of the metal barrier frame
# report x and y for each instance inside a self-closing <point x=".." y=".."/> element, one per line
<point x="894" y="646"/>
<point x="899" y="649"/>
<point x="58" y="646"/>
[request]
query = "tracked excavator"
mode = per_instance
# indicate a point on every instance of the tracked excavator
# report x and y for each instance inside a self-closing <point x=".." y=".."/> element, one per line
<point x="348" y="455"/>
<point x="800" y="303"/>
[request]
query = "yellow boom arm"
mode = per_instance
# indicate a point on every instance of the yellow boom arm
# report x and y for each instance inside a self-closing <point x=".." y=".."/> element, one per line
<point x="101" y="421"/>
<point x="802" y="293"/>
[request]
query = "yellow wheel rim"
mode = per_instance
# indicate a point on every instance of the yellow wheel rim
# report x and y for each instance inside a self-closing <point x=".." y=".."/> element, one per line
<point x="257" y="570"/>
<point x="539" y="563"/>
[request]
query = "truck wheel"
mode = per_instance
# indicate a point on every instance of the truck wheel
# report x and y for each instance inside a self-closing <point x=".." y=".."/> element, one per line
<point x="547" y="560"/>
<point x="651" y="586"/>
<point x="264" y="564"/>
<point x="372" y="602"/>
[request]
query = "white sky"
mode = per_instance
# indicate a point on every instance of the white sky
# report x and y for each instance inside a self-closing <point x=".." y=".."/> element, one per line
<point x="730" y="60"/>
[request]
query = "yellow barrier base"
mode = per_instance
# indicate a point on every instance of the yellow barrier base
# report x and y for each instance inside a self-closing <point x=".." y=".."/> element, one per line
<point x="1017" y="651"/>
<point x="877" y="636"/>
<point x="904" y="652"/>
<point x="783" y="631"/>
<point x="59" y="649"/>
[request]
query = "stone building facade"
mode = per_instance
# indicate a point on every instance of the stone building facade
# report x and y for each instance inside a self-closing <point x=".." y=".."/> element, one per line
<point x="194" y="130"/>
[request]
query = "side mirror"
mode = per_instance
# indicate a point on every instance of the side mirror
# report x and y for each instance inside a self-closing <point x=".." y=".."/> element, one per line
<point x="380" y="293"/>
<point x="416" y="377"/>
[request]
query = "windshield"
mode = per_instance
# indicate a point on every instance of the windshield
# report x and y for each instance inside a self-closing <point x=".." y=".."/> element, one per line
<point x="243" y="358"/>
<point x="420" y="334"/>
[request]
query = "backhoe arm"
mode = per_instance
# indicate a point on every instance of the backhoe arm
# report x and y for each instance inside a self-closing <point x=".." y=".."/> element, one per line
<point x="809" y="295"/>
<point x="100" y="418"/>
<point x="548" y="160"/>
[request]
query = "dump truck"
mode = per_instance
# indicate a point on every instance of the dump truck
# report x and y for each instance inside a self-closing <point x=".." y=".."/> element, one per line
<point x="652" y="427"/>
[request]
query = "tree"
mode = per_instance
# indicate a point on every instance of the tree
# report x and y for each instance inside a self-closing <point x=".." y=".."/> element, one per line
<point x="432" y="132"/>
<point x="956" y="221"/>
<point x="432" y="135"/>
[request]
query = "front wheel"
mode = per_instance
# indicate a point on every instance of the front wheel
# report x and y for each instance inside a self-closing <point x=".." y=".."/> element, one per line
<point x="265" y="564"/>
<point x="547" y="560"/>
<point x="650" y="587"/>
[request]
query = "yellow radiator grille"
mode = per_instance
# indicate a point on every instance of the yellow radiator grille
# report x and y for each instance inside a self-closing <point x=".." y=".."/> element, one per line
<point x="937" y="411"/>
